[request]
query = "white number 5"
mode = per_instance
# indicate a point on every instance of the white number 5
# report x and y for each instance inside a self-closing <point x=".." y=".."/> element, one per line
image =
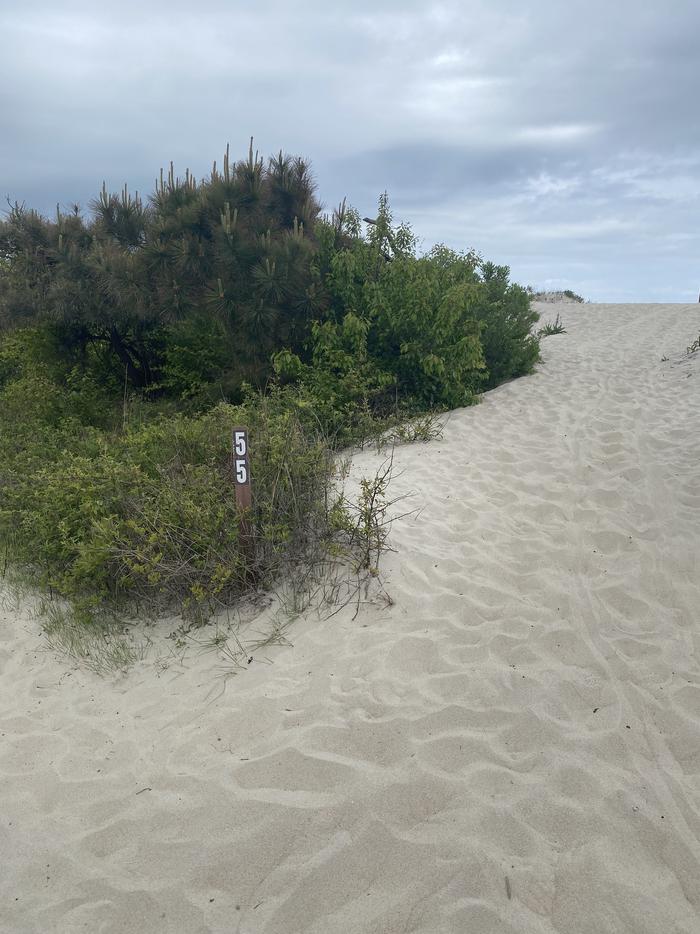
<point x="241" y="472"/>
<point x="239" y="443"/>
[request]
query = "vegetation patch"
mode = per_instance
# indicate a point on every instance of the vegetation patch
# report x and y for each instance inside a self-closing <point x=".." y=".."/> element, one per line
<point x="552" y="327"/>
<point x="565" y="295"/>
<point x="133" y="339"/>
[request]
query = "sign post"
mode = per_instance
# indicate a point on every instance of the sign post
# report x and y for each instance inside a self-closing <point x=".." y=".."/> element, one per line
<point x="241" y="480"/>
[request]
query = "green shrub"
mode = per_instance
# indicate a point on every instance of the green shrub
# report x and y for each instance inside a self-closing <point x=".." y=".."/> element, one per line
<point x="408" y="333"/>
<point x="59" y="515"/>
<point x="425" y="333"/>
<point x="507" y="318"/>
<point x="152" y="514"/>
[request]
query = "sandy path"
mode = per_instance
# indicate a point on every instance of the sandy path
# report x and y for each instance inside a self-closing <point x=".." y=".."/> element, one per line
<point x="513" y="746"/>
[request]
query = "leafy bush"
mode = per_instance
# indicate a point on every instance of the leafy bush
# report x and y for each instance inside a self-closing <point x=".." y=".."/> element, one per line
<point x="406" y="333"/>
<point x="150" y="515"/>
<point x="510" y="348"/>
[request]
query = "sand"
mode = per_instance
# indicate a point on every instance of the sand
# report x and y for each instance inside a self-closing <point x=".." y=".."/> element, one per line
<point x="512" y="746"/>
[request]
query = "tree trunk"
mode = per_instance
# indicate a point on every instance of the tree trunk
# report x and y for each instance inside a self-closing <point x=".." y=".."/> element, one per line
<point x="137" y="376"/>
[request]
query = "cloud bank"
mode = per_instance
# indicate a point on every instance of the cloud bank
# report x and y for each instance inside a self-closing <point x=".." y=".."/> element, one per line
<point x="560" y="139"/>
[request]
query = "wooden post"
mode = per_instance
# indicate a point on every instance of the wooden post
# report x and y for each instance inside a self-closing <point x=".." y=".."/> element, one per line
<point x="244" y="493"/>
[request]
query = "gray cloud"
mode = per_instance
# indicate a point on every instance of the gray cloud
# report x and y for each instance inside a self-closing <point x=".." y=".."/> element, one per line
<point x="559" y="138"/>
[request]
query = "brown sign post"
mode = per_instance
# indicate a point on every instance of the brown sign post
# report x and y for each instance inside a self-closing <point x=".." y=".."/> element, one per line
<point x="241" y="480"/>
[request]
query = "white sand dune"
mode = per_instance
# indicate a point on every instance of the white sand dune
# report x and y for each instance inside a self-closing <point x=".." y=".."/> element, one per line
<point x="513" y="746"/>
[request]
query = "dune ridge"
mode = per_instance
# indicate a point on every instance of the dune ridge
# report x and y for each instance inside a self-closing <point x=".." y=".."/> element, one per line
<point x="512" y="746"/>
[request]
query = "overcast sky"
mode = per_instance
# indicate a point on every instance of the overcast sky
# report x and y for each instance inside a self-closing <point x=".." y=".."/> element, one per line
<point x="558" y="136"/>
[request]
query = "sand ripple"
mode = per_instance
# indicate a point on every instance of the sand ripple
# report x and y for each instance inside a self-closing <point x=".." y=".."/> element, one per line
<point x="513" y="746"/>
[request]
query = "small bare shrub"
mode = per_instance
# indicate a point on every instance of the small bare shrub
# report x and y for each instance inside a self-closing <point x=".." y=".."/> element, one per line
<point x="552" y="327"/>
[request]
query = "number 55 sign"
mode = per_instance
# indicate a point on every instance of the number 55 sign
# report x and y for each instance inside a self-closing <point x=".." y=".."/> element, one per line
<point x="241" y="468"/>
